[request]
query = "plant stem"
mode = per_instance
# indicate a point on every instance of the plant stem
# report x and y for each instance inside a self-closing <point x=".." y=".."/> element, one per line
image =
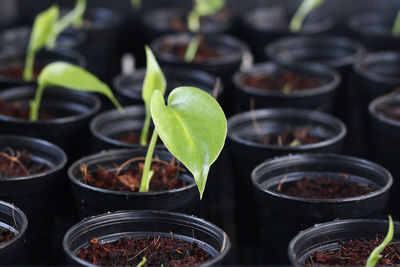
<point x="145" y="129"/>
<point x="191" y="50"/>
<point x="396" y="26"/>
<point x="35" y="103"/>
<point x="28" y="70"/>
<point x="147" y="173"/>
<point x="305" y="8"/>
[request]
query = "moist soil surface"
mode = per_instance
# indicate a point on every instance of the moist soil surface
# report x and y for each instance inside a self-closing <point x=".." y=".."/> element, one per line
<point x="134" y="138"/>
<point x="355" y="253"/>
<point x="128" y="177"/>
<point x="15" y="71"/>
<point x="18" y="163"/>
<point x="16" y="110"/>
<point x="295" y="137"/>
<point x="389" y="112"/>
<point x="326" y="188"/>
<point x="158" y="251"/>
<point x="205" y="52"/>
<point x="6" y="235"/>
<point x="286" y="82"/>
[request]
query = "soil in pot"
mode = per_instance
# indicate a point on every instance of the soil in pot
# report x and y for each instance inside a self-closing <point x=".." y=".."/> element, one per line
<point x="15" y="71"/>
<point x="16" y="110"/>
<point x="355" y="252"/>
<point x="158" y="251"/>
<point x="290" y="137"/>
<point x="6" y="235"/>
<point x="128" y="175"/>
<point x="325" y="188"/>
<point x="285" y="82"/>
<point x="134" y="138"/>
<point x="19" y="163"/>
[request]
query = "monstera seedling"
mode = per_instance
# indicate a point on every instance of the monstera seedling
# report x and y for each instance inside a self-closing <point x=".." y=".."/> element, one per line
<point x="200" y="8"/>
<point x="376" y="253"/>
<point x="304" y="9"/>
<point x="69" y="76"/>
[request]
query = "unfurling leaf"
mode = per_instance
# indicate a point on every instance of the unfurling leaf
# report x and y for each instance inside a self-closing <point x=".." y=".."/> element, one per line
<point x="192" y="127"/>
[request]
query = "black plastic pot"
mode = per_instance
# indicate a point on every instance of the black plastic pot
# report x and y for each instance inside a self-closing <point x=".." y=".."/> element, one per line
<point x="374" y="30"/>
<point x="102" y="27"/>
<point x="157" y="23"/>
<point x="109" y="126"/>
<point x="92" y="200"/>
<point x="43" y="58"/>
<point x="223" y="67"/>
<point x="128" y="88"/>
<point x="17" y="38"/>
<point x="246" y="154"/>
<point x="328" y="235"/>
<point x="266" y="24"/>
<point x="13" y="252"/>
<point x="140" y="224"/>
<point x="71" y="131"/>
<point x="320" y="97"/>
<point x="283" y="216"/>
<point x="44" y="191"/>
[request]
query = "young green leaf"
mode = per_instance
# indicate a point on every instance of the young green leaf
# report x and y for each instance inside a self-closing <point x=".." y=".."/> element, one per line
<point x="72" y="77"/>
<point x="295" y="143"/>
<point x="287" y="88"/>
<point x="154" y="80"/>
<point x="72" y="17"/>
<point x="142" y="263"/>
<point x="396" y="26"/>
<point x="208" y="7"/>
<point x="376" y="253"/>
<point x="40" y="34"/>
<point x="136" y="4"/>
<point x="305" y="8"/>
<point x="192" y="127"/>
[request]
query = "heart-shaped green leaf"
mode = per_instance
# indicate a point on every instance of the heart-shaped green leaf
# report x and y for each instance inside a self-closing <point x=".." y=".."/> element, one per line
<point x="41" y="32"/>
<point x="154" y="80"/>
<point x="69" y="76"/>
<point x="192" y="127"/>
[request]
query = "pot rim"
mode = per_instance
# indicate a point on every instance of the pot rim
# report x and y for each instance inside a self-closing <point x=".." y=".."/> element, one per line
<point x="120" y="152"/>
<point x="369" y="58"/>
<point x="310" y="67"/>
<point x="282" y="161"/>
<point x="222" y="39"/>
<point x="41" y="142"/>
<point x="321" y="229"/>
<point x="145" y="214"/>
<point x="372" y="108"/>
<point x="21" y="231"/>
<point x="286" y="112"/>
<point x="129" y="110"/>
<point x="114" y="18"/>
<point x="272" y="48"/>
<point x="57" y="121"/>
<point x="355" y="23"/>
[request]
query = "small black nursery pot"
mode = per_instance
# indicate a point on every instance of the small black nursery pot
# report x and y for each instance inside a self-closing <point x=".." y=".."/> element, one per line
<point x="93" y="200"/>
<point x="128" y="88"/>
<point x="111" y="129"/>
<point x="220" y="55"/>
<point x="67" y="114"/>
<point x="378" y="74"/>
<point x="102" y="27"/>
<point x="13" y="251"/>
<point x="325" y="237"/>
<point x="374" y="30"/>
<point x="159" y="22"/>
<point x="12" y="64"/>
<point x="311" y="86"/>
<point x="17" y="38"/>
<point x="283" y="187"/>
<point x="142" y="224"/>
<point x="264" y="25"/>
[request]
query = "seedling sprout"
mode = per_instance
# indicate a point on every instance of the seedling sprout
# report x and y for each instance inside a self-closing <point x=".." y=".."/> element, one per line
<point x="304" y="9"/>
<point x="396" y="26"/>
<point x="376" y="253"/>
<point x="142" y="263"/>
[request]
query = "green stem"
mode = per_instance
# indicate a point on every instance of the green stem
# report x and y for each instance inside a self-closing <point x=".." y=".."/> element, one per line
<point x="28" y="70"/>
<point x="191" y="50"/>
<point x="142" y="263"/>
<point x="145" y="129"/>
<point x="305" y="8"/>
<point x="147" y="173"/>
<point x="34" y="111"/>
<point x="396" y="26"/>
